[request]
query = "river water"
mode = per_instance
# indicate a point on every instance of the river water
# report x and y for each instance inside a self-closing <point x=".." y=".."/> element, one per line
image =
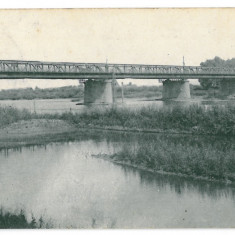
<point x="66" y="105"/>
<point x="71" y="188"/>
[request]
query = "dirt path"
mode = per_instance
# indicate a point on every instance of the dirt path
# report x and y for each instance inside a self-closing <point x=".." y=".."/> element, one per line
<point x="35" y="127"/>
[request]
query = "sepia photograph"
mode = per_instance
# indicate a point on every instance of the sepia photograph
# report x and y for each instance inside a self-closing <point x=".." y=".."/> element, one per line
<point x="117" y="118"/>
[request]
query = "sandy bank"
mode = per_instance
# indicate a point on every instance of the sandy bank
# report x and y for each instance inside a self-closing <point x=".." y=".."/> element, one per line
<point x="35" y="127"/>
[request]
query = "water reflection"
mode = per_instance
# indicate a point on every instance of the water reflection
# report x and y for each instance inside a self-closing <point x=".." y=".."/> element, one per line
<point x="181" y="185"/>
<point x="62" y="182"/>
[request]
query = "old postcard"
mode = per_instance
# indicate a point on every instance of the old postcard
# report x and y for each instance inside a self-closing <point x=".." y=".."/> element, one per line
<point x="117" y="118"/>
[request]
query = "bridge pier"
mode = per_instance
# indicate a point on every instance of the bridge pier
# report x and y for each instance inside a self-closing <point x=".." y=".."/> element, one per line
<point x="227" y="87"/>
<point x="99" y="91"/>
<point x="178" y="89"/>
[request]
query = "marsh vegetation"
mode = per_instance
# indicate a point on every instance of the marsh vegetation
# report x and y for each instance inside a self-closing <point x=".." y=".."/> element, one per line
<point x="195" y="119"/>
<point x="197" y="158"/>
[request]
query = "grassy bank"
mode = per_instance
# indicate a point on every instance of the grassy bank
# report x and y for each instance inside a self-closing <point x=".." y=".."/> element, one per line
<point x="198" y="159"/>
<point x="194" y="119"/>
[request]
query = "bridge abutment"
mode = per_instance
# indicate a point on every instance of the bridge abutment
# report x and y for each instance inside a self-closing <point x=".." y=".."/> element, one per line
<point x="99" y="91"/>
<point x="227" y="87"/>
<point x="178" y="89"/>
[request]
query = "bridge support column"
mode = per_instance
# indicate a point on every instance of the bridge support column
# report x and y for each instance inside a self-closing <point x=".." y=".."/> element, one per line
<point x="227" y="87"/>
<point x="175" y="89"/>
<point x="99" y="91"/>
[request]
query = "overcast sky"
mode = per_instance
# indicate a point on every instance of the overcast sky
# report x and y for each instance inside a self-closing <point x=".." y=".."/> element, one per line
<point x="148" y="36"/>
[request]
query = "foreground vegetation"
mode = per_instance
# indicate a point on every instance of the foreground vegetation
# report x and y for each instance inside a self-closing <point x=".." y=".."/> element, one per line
<point x="198" y="159"/>
<point x="18" y="221"/>
<point x="194" y="119"/>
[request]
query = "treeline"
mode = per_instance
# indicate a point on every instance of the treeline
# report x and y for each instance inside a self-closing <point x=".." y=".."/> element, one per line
<point x="133" y="91"/>
<point x="38" y="93"/>
<point x="207" y="83"/>
<point x="77" y="92"/>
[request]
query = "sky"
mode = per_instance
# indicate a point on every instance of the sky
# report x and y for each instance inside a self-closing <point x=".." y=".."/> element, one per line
<point x="144" y="36"/>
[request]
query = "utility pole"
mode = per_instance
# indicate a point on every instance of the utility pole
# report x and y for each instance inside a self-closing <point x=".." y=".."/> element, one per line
<point x="113" y="86"/>
<point x="34" y="106"/>
<point x="122" y="93"/>
<point x="183" y="61"/>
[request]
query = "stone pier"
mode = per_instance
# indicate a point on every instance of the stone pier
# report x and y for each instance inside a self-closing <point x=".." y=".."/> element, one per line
<point x="178" y="89"/>
<point x="227" y="87"/>
<point x="99" y="91"/>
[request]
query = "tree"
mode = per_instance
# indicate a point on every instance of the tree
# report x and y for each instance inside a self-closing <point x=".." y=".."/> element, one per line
<point x="216" y="62"/>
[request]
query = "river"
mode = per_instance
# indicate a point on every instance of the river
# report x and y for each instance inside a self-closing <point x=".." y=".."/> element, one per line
<point x="70" y="188"/>
<point x="66" y="105"/>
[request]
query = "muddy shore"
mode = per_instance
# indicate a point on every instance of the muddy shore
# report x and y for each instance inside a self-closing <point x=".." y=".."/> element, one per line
<point x="35" y="127"/>
<point x="34" y="131"/>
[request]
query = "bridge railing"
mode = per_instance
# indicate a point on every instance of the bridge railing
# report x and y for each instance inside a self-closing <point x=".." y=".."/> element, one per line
<point x="97" y="68"/>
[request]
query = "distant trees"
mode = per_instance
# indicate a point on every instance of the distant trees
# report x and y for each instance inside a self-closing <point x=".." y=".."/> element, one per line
<point x="216" y="62"/>
<point x="37" y="93"/>
<point x="76" y="92"/>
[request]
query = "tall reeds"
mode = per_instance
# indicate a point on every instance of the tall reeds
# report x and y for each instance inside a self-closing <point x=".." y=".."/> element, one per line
<point x="200" y="159"/>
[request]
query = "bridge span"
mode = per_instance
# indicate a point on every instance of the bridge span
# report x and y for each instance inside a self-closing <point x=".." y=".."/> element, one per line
<point x="99" y="77"/>
<point x="15" y="69"/>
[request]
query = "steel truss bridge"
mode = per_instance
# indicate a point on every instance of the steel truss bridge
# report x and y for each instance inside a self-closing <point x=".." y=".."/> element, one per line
<point x="14" y="69"/>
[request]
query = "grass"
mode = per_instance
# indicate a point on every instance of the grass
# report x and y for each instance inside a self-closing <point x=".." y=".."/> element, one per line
<point x="191" y="158"/>
<point x="10" y="220"/>
<point x="194" y="119"/>
<point x="9" y="115"/>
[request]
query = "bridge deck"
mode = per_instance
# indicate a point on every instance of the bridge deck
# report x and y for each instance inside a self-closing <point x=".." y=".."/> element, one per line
<point x="13" y="69"/>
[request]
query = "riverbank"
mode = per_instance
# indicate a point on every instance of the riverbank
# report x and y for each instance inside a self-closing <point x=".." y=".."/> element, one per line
<point x="35" y="132"/>
<point x="196" y="155"/>
<point x="193" y="120"/>
<point x="199" y="161"/>
<point x="113" y="159"/>
<point x="34" y="127"/>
